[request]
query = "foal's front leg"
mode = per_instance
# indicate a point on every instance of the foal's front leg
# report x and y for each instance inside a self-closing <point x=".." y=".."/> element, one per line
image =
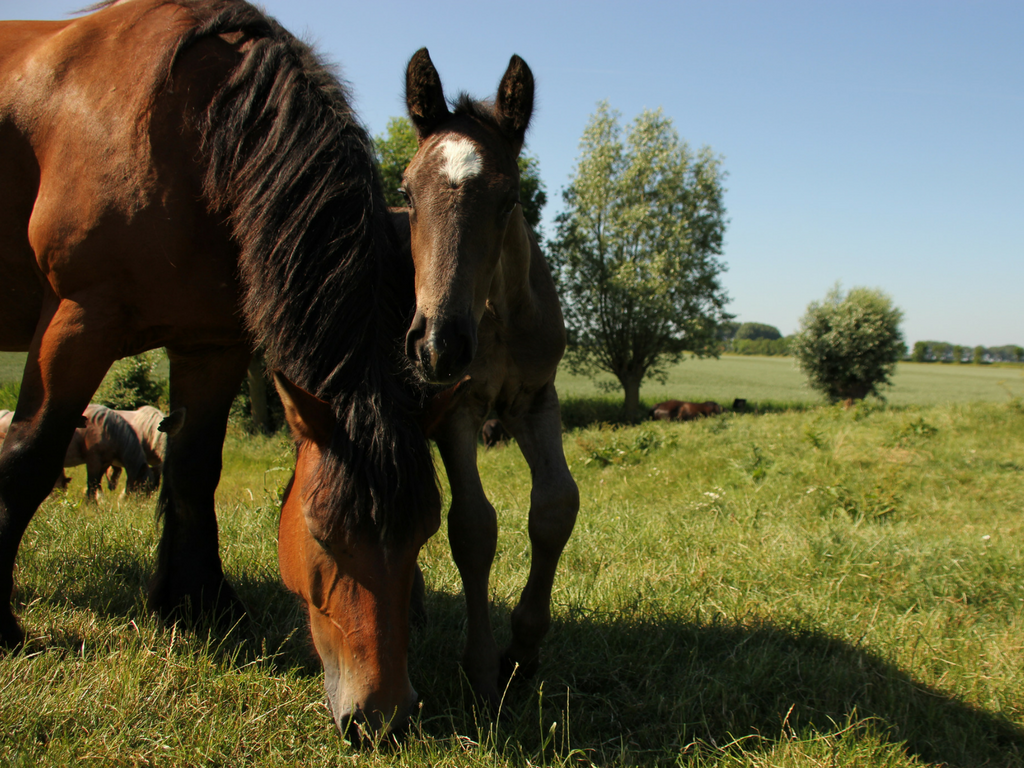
<point x="554" y="502"/>
<point x="473" y="536"/>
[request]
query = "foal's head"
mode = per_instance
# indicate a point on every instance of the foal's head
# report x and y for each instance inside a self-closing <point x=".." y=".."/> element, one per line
<point x="462" y="189"/>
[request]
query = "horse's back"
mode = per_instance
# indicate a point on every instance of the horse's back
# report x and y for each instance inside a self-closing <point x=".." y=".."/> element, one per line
<point x="108" y="433"/>
<point x="103" y="175"/>
<point x="20" y="41"/>
<point x="665" y="411"/>
<point x="145" y="421"/>
<point x="20" y="291"/>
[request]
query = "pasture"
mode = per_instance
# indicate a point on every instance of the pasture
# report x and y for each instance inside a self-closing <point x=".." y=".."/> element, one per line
<point x="772" y="382"/>
<point x="778" y="383"/>
<point x="816" y="587"/>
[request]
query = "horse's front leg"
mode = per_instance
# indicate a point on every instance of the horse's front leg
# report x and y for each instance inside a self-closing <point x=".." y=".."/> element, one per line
<point x="554" y="501"/>
<point x="473" y="536"/>
<point x="67" y="361"/>
<point x="94" y="472"/>
<point x="189" y="576"/>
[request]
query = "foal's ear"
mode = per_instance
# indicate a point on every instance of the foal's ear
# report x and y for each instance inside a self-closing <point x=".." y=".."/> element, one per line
<point x="514" y="104"/>
<point x="309" y="417"/>
<point x="424" y="96"/>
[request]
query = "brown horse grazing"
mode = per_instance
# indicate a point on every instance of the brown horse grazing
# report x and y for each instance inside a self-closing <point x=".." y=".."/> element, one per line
<point x="151" y="428"/>
<point x="342" y="579"/>
<point x="486" y="306"/>
<point x="186" y="174"/>
<point x="107" y="440"/>
<point x="679" y="410"/>
<point x="494" y="434"/>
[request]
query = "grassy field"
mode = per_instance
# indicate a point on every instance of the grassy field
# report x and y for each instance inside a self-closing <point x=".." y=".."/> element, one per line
<point x="778" y="380"/>
<point x="772" y="383"/>
<point x="811" y="588"/>
<point x="11" y="366"/>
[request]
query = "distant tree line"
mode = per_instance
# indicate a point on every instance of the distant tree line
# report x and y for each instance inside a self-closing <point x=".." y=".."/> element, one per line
<point x="753" y="339"/>
<point x="944" y="352"/>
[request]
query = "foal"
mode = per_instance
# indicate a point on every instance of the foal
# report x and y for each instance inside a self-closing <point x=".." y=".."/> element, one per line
<point x="486" y="309"/>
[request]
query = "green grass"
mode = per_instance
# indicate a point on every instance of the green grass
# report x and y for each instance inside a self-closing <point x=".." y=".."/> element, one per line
<point x="775" y="383"/>
<point x="818" y="587"/>
<point x="12" y="365"/>
<point x="767" y="383"/>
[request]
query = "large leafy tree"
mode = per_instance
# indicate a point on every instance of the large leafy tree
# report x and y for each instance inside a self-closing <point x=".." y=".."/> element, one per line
<point x="636" y="251"/>
<point x="394" y="151"/>
<point x="849" y="344"/>
<point x="397" y="146"/>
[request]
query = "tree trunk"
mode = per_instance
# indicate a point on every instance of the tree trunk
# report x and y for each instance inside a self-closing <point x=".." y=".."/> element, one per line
<point x="258" y="386"/>
<point x="631" y="408"/>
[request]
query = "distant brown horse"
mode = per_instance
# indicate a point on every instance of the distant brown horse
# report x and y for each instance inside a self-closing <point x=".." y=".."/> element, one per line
<point x="680" y="410"/>
<point x="187" y="174"/>
<point x="107" y="440"/>
<point x="486" y="307"/>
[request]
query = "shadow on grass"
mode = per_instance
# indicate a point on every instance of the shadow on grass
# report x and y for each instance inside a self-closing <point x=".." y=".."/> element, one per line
<point x="630" y="689"/>
<point x="655" y="687"/>
<point x="113" y="583"/>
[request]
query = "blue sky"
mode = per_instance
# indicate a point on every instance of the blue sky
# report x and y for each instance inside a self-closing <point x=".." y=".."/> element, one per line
<point x="873" y="143"/>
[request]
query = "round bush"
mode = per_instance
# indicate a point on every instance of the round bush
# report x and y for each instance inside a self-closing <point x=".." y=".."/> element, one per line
<point x="848" y="345"/>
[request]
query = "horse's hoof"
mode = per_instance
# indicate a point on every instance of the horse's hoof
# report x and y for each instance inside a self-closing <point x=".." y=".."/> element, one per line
<point x="12" y="636"/>
<point x="485" y="700"/>
<point x="512" y="669"/>
<point x="219" y="605"/>
<point x="418" y="616"/>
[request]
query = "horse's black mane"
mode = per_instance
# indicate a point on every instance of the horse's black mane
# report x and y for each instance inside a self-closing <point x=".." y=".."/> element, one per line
<point x="326" y="290"/>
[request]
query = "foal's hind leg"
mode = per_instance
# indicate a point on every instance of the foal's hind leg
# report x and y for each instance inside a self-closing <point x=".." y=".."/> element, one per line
<point x="189" y="577"/>
<point x="64" y="367"/>
<point x="554" y="501"/>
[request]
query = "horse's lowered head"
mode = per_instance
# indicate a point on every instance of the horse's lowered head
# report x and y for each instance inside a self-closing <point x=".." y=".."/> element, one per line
<point x="356" y="586"/>
<point x="462" y="190"/>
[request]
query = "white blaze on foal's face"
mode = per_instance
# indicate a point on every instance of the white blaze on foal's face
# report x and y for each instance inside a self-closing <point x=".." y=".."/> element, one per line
<point x="461" y="161"/>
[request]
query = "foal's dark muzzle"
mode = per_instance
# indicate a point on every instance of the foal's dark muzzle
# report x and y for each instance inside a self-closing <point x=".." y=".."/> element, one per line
<point x="442" y="348"/>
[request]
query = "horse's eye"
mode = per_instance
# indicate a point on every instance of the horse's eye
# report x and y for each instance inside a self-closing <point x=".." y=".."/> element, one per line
<point x="510" y="206"/>
<point x="405" y="195"/>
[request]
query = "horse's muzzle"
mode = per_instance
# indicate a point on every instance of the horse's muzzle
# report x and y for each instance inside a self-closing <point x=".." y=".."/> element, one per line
<point x="442" y="348"/>
<point x="364" y="730"/>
